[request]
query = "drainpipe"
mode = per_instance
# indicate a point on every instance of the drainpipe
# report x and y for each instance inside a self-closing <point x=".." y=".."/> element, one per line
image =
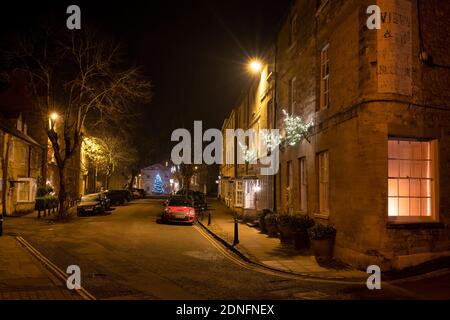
<point x="275" y="113"/>
<point x="29" y="161"/>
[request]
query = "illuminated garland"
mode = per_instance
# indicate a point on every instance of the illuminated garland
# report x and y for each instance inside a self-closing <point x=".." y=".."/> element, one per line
<point x="249" y="155"/>
<point x="296" y="129"/>
<point x="272" y="141"/>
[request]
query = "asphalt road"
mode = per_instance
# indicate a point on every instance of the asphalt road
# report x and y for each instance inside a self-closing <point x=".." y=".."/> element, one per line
<point x="127" y="254"/>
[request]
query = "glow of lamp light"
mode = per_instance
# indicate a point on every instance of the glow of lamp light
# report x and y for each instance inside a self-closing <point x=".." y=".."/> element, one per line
<point x="54" y="116"/>
<point x="255" y="66"/>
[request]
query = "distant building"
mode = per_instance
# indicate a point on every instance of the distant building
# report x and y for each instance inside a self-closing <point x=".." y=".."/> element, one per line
<point x="148" y="177"/>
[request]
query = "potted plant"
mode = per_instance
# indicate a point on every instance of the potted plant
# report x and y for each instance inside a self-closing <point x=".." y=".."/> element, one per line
<point x="322" y="238"/>
<point x="285" y="226"/>
<point x="271" y="223"/>
<point x="301" y="225"/>
<point x="262" y="220"/>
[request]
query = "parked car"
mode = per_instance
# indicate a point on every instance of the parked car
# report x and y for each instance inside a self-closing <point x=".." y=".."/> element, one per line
<point x="136" y="194"/>
<point x="197" y="197"/>
<point x="142" y="192"/>
<point x="92" y="204"/>
<point x="127" y="194"/>
<point x="117" y="197"/>
<point x="107" y="200"/>
<point x="179" y="209"/>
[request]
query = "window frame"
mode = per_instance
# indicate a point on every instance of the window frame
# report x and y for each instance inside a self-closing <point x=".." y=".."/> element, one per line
<point x="324" y="185"/>
<point x="303" y="184"/>
<point x="292" y="95"/>
<point x="293" y="29"/>
<point x="324" y="95"/>
<point x="31" y="190"/>
<point x="434" y="170"/>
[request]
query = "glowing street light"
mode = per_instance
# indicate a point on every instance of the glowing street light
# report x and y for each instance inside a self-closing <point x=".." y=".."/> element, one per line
<point x="53" y="117"/>
<point x="255" y="66"/>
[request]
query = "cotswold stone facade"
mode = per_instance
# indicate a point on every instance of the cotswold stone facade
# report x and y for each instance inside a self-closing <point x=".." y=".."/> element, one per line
<point x="242" y="186"/>
<point x="377" y="166"/>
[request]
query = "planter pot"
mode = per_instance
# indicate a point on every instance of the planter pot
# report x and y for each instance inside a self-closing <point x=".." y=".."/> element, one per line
<point x="272" y="229"/>
<point x="323" y="248"/>
<point x="286" y="234"/>
<point x="301" y="240"/>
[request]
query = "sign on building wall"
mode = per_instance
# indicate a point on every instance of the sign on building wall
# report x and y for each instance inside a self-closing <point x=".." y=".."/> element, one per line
<point x="394" y="47"/>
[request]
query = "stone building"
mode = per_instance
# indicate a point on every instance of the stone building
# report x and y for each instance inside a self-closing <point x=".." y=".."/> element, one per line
<point x="377" y="164"/>
<point x="148" y="175"/>
<point x="242" y="185"/>
<point x="20" y="165"/>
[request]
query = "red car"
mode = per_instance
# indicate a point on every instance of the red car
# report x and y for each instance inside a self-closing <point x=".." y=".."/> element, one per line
<point x="179" y="209"/>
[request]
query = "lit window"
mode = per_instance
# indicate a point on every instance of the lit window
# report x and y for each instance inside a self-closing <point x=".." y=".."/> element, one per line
<point x="324" y="78"/>
<point x="239" y="201"/>
<point x="303" y="184"/>
<point x="26" y="190"/>
<point x="411" y="179"/>
<point x="324" y="182"/>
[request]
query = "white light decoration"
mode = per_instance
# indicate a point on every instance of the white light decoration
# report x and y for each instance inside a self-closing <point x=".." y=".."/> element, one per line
<point x="272" y="141"/>
<point x="249" y="155"/>
<point x="296" y="128"/>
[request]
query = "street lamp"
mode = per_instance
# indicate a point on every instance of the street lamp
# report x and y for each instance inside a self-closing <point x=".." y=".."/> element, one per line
<point x="255" y="66"/>
<point x="53" y="117"/>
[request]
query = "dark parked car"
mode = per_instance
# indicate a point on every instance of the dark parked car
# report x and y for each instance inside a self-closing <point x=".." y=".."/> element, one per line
<point x="198" y="197"/>
<point x="118" y="196"/>
<point x="138" y="193"/>
<point x="93" y="204"/>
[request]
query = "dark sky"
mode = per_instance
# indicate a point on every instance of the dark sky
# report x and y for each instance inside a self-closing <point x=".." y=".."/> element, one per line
<point x="194" y="52"/>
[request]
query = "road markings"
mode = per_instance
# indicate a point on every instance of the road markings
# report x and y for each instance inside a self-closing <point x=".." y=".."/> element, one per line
<point x="54" y="268"/>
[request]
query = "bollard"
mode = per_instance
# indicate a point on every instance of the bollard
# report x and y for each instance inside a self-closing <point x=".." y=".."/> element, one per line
<point x="236" y="233"/>
<point x="209" y="218"/>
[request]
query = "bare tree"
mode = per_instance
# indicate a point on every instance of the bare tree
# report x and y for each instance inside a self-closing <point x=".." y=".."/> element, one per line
<point x="72" y="77"/>
<point x="108" y="155"/>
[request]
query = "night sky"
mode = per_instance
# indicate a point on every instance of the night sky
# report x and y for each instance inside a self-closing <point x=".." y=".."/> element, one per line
<point x="193" y="52"/>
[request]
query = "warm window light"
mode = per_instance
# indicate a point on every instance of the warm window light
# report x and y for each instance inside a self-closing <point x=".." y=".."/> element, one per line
<point x="255" y="66"/>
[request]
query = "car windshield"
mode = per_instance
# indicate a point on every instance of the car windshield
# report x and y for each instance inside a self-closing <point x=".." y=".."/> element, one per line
<point x="90" y="198"/>
<point x="179" y="203"/>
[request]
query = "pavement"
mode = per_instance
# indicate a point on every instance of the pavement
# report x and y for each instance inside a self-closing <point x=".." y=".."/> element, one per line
<point x="22" y="277"/>
<point x="270" y="252"/>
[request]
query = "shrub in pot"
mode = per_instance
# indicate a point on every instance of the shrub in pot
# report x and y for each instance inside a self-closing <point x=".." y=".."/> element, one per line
<point x="322" y="238"/>
<point x="301" y="224"/>
<point x="285" y="226"/>
<point x="271" y="223"/>
<point x="262" y="220"/>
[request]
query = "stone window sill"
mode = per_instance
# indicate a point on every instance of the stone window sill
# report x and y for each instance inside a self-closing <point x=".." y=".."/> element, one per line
<point x="415" y="225"/>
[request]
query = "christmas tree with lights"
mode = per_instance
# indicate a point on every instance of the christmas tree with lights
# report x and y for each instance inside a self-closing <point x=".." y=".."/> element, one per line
<point x="158" y="185"/>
